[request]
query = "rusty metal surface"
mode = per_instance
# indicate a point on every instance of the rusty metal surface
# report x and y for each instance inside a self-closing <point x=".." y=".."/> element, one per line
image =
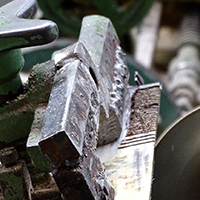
<point x="15" y="181"/>
<point x="109" y="60"/>
<point x="86" y="181"/>
<point x="69" y="132"/>
<point x="73" y="99"/>
<point x="129" y="163"/>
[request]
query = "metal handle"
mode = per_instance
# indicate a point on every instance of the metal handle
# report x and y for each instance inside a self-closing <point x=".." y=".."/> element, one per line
<point x="18" y="30"/>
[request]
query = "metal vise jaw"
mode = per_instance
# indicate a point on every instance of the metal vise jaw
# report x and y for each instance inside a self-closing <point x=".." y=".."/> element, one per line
<point x="89" y="85"/>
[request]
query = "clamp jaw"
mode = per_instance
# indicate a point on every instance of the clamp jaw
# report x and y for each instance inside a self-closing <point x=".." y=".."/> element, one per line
<point x="73" y="103"/>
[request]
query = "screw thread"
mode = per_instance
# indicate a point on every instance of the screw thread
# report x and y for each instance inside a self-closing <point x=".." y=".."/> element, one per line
<point x="190" y="27"/>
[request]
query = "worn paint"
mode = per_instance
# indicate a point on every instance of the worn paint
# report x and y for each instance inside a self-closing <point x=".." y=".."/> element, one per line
<point x="14" y="187"/>
<point x="54" y="31"/>
<point x="36" y="37"/>
<point x="4" y="21"/>
<point x="16" y="117"/>
<point x="9" y="78"/>
<point x="7" y="43"/>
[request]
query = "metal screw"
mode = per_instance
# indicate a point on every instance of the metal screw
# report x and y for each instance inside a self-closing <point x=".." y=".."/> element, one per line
<point x="184" y="69"/>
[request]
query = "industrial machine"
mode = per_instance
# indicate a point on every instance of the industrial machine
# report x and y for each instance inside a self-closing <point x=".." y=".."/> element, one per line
<point x="91" y="121"/>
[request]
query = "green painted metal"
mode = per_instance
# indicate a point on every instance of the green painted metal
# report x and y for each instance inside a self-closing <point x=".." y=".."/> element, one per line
<point x="16" y="117"/>
<point x="32" y="145"/>
<point x="122" y="18"/>
<point x="16" y="31"/>
<point x="39" y="159"/>
<point x="15" y="181"/>
<point x="8" y="43"/>
<point x="11" y="63"/>
<point x="14" y="190"/>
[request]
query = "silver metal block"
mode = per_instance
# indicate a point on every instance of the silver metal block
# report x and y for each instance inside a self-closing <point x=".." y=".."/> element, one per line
<point x="72" y="109"/>
<point x="109" y="59"/>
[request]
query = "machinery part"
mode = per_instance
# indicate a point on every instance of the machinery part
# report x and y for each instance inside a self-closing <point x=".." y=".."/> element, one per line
<point x="129" y="163"/>
<point x="124" y="17"/>
<point x="87" y="181"/>
<point x="26" y="33"/>
<point x="69" y="132"/>
<point x="37" y="157"/>
<point x="8" y="156"/>
<point x="138" y="79"/>
<point x="14" y="176"/>
<point x="189" y="30"/>
<point x="168" y="111"/>
<point x="70" y="128"/>
<point x="109" y="60"/>
<point x="22" y="109"/>
<point x="73" y="101"/>
<point x="176" y="171"/>
<point x="184" y="70"/>
<point x="10" y="82"/>
<point x="43" y="53"/>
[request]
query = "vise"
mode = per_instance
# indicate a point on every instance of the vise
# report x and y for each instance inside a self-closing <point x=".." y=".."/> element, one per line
<point x="72" y="104"/>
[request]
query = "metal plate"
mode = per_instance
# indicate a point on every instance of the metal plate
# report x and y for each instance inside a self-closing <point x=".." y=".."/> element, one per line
<point x="177" y="160"/>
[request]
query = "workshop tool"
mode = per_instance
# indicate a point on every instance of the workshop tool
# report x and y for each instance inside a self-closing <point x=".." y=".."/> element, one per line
<point x="71" y="124"/>
<point x="26" y="33"/>
<point x="68" y="104"/>
<point x="113" y="74"/>
<point x="17" y="30"/>
<point x="129" y="164"/>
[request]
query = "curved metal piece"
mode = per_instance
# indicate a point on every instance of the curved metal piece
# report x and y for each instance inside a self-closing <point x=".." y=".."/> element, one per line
<point x="177" y="160"/>
<point x="17" y="30"/>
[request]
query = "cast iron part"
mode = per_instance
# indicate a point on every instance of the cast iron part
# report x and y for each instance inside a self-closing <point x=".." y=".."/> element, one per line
<point x="74" y="98"/>
<point x="69" y="133"/>
<point x="109" y="59"/>
<point x="16" y="31"/>
<point x="8" y="156"/>
<point x="15" y="179"/>
<point x="71" y="123"/>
